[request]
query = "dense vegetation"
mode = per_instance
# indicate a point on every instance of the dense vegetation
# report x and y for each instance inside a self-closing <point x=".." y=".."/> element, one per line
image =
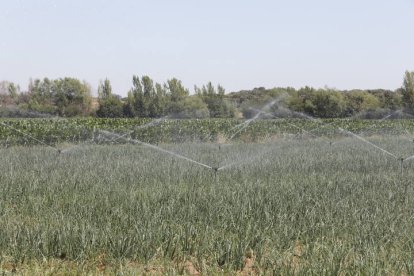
<point x="69" y="97"/>
<point x="291" y="206"/>
<point x="55" y="131"/>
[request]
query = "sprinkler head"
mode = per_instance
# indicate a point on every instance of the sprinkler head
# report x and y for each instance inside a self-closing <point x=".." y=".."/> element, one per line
<point x="59" y="151"/>
<point x="401" y="159"/>
<point x="215" y="169"/>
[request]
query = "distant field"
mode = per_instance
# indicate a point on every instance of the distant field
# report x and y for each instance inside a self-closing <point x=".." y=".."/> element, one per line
<point x="296" y="204"/>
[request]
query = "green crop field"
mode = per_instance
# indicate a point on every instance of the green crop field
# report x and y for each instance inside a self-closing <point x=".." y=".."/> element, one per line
<point x="78" y="130"/>
<point x="275" y="200"/>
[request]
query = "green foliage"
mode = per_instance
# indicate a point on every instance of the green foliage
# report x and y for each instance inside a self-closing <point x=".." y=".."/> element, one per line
<point x="388" y="99"/>
<point x="148" y="99"/>
<point x="79" y="130"/>
<point x="215" y="100"/>
<point x="9" y="93"/>
<point x="110" y="106"/>
<point x="322" y="103"/>
<point x="408" y="90"/>
<point x="192" y="107"/>
<point x="358" y="101"/>
<point x="64" y="97"/>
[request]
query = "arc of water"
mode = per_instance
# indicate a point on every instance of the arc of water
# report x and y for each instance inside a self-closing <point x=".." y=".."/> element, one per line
<point x="317" y="120"/>
<point x="119" y="136"/>
<point x="322" y="126"/>
<point x="399" y="122"/>
<point x="246" y="123"/>
<point x="31" y="137"/>
<point x="306" y="116"/>
<point x="408" y="158"/>
<point x="293" y="125"/>
<point x="166" y="151"/>
<point x="368" y="142"/>
<point x="381" y="120"/>
<point x="402" y="126"/>
<point x="174" y="154"/>
<point x="386" y="117"/>
<point x="310" y="133"/>
<point x="152" y="123"/>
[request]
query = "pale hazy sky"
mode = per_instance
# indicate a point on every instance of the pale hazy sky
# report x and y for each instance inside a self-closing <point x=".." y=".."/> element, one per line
<point x="238" y="43"/>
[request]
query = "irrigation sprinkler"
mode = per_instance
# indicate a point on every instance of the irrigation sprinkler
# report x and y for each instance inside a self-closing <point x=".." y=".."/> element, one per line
<point x="402" y="165"/>
<point x="215" y="170"/>
<point x="400" y="159"/>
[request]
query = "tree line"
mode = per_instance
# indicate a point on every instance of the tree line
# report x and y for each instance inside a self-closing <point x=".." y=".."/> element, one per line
<point x="70" y="97"/>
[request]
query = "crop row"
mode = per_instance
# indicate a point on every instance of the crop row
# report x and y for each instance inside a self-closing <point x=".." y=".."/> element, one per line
<point x="55" y="131"/>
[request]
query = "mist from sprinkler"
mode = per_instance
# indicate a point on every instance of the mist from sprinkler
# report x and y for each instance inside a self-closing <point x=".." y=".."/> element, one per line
<point x="31" y="137"/>
<point x="118" y="137"/>
<point x="368" y="142"/>
<point x="240" y="127"/>
<point x="401" y="159"/>
<point x="135" y="141"/>
<point x="150" y="124"/>
<point x="293" y="125"/>
<point x="246" y="123"/>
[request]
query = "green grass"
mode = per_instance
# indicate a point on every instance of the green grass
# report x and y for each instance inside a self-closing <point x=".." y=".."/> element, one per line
<point x="301" y="205"/>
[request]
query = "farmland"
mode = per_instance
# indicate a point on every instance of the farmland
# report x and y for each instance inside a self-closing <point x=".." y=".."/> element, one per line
<point x="59" y="130"/>
<point x="286" y="199"/>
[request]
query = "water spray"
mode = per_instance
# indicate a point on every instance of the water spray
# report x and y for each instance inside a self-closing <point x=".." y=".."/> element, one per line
<point x="246" y="123"/>
<point x="118" y="136"/>
<point x="165" y="151"/>
<point x="152" y="123"/>
<point x="31" y="137"/>
<point x="293" y="125"/>
<point x="368" y="142"/>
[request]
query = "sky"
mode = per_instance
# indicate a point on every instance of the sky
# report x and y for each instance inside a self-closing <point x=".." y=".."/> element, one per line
<point x="240" y="44"/>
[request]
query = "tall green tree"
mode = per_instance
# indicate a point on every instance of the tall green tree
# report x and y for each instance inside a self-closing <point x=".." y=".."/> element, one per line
<point x="408" y="90"/>
<point x="359" y="101"/>
<point x="145" y="99"/>
<point x="110" y="105"/>
<point x="72" y="97"/>
<point x="9" y="93"/>
<point x="217" y="104"/>
<point x="14" y="91"/>
<point x="138" y="105"/>
<point x="149" y="97"/>
<point x="327" y="103"/>
<point x="177" y="94"/>
<point x="105" y="89"/>
<point x="159" y="102"/>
